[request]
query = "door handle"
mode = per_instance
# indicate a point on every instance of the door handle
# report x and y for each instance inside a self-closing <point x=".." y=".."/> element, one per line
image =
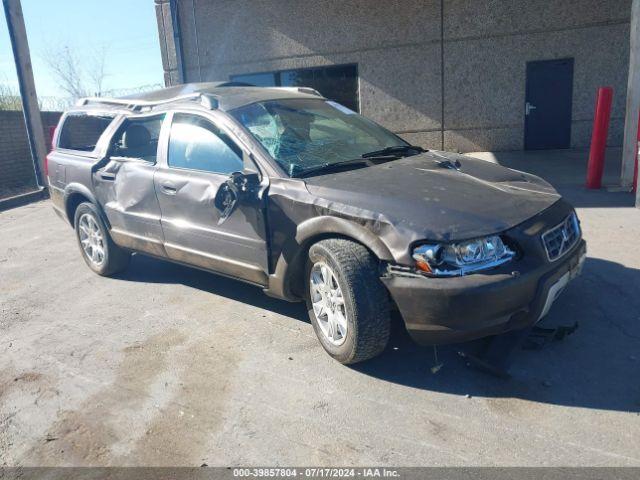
<point x="528" y="107"/>
<point x="168" y="188"/>
<point x="108" y="176"/>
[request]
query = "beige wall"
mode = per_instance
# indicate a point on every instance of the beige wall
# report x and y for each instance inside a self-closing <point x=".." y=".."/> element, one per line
<point x="486" y="51"/>
<point x="397" y="46"/>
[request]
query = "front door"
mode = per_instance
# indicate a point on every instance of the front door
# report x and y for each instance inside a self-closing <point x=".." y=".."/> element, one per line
<point x="548" y="99"/>
<point x="199" y="158"/>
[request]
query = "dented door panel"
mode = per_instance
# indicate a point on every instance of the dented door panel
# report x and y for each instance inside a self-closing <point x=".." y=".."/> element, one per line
<point x="194" y="234"/>
<point x="125" y="189"/>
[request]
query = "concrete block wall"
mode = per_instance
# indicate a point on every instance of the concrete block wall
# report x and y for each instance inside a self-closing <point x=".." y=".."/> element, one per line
<point x="394" y="43"/>
<point x="487" y="45"/>
<point x="442" y="73"/>
<point x="16" y="167"/>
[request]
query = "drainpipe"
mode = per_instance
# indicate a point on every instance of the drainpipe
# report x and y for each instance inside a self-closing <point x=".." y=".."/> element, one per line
<point x="170" y="41"/>
<point x="195" y="34"/>
<point x="177" y="40"/>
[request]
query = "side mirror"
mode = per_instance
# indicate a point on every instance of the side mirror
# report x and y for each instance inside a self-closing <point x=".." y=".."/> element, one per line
<point x="245" y="182"/>
<point x="237" y="185"/>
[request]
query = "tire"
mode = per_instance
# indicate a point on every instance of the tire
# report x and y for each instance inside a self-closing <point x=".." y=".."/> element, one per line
<point x="113" y="259"/>
<point x="364" y="298"/>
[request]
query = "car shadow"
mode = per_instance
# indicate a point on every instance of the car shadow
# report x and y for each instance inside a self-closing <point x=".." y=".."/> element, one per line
<point x="598" y="366"/>
<point x="151" y="270"/>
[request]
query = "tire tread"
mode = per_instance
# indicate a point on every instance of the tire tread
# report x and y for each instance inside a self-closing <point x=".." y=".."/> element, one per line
<point x="359" y="269"/>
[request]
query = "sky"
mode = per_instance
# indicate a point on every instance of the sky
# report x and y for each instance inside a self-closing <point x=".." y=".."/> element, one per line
<point x="125" y="29"/>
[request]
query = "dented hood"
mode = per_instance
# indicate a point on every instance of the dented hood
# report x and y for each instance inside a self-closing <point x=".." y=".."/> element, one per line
<point x="436" y="195"/>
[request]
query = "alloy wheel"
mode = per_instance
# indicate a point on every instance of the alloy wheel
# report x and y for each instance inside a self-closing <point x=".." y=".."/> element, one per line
<point x="91" y="239"/>
<point x="328" y="303"/>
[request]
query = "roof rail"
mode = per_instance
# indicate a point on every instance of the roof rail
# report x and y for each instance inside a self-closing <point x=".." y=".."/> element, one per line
<point x="207" y="100"/>
<point x="308" y="90"/>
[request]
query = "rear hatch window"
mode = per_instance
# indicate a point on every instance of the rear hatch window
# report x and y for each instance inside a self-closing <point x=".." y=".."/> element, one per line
<point x="81" y="131"/>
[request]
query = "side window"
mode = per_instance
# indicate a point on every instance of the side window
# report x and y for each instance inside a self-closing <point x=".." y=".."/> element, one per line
<point x="81" y="131"/>
<point x="138" y="138"/>
<point x="196" y="144"/>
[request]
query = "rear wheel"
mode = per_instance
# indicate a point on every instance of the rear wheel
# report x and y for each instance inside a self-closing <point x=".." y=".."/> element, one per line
<point x="98" y="250"/>
<point x="347" y="303"/>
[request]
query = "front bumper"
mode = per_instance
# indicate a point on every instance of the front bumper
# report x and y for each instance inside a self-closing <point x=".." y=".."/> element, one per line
<point x="450" y="310"/>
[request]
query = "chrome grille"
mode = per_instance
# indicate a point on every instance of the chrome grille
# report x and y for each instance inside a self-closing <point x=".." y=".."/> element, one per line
<point x="561" y="238"/>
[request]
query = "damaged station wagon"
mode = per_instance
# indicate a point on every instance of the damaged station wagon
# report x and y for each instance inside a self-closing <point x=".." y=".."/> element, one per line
<point x="297" y="194"/>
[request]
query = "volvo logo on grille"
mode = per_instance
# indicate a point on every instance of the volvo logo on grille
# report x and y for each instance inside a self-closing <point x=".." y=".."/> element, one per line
<point x="561" y="238"/>
<point x="565" y="239"/>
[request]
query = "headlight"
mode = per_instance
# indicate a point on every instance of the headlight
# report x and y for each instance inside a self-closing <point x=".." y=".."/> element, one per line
<point x="455" y="259"/>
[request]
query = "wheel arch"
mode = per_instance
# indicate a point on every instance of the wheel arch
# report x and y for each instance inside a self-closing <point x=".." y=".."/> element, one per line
<point x="74" y="195"/>
<point x="289" y="268"/>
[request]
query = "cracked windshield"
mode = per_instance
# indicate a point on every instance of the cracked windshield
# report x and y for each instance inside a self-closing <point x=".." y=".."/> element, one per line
<point x="303" y="134"/>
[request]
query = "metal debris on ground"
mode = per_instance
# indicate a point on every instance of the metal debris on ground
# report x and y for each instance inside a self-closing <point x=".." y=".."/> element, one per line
<point x="437" y="365"/>
<point x="540" y="336"/>
<point x="494" y="355"/>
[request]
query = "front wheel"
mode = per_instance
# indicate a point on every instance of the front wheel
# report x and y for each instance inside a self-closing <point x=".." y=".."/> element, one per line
<point x="98" y="250"/>
<point x="347" y="303"/>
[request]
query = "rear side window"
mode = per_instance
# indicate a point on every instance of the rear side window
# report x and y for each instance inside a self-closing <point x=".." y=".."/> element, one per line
<point x="81" y="131"/>
<point x="138" y="138"/>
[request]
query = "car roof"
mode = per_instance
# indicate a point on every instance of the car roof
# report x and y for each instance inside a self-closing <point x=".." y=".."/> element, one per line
<point x="221" y="95"/>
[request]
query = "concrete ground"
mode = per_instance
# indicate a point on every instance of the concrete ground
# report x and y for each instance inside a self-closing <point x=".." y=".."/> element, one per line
<point x="566" y="169"/>
<point x="165" y="365"/>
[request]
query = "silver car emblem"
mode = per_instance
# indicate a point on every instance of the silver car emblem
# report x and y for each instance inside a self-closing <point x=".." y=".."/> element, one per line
<point x="565" y="239"/>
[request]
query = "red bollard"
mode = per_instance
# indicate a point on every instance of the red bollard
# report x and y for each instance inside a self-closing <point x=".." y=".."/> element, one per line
<point x="52" y="133"/>
<point x="595" y="167"/>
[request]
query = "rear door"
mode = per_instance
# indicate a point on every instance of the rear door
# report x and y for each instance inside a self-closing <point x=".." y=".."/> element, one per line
<point x="548" y="101"/>
<point x="199" y="158"/>
<point x="125" y="188"/>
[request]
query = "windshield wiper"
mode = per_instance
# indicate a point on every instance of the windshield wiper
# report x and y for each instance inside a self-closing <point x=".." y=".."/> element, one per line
<point x="397" y="150"/>
<point x="366" y="159"/>
<point x="327" y="167"/>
